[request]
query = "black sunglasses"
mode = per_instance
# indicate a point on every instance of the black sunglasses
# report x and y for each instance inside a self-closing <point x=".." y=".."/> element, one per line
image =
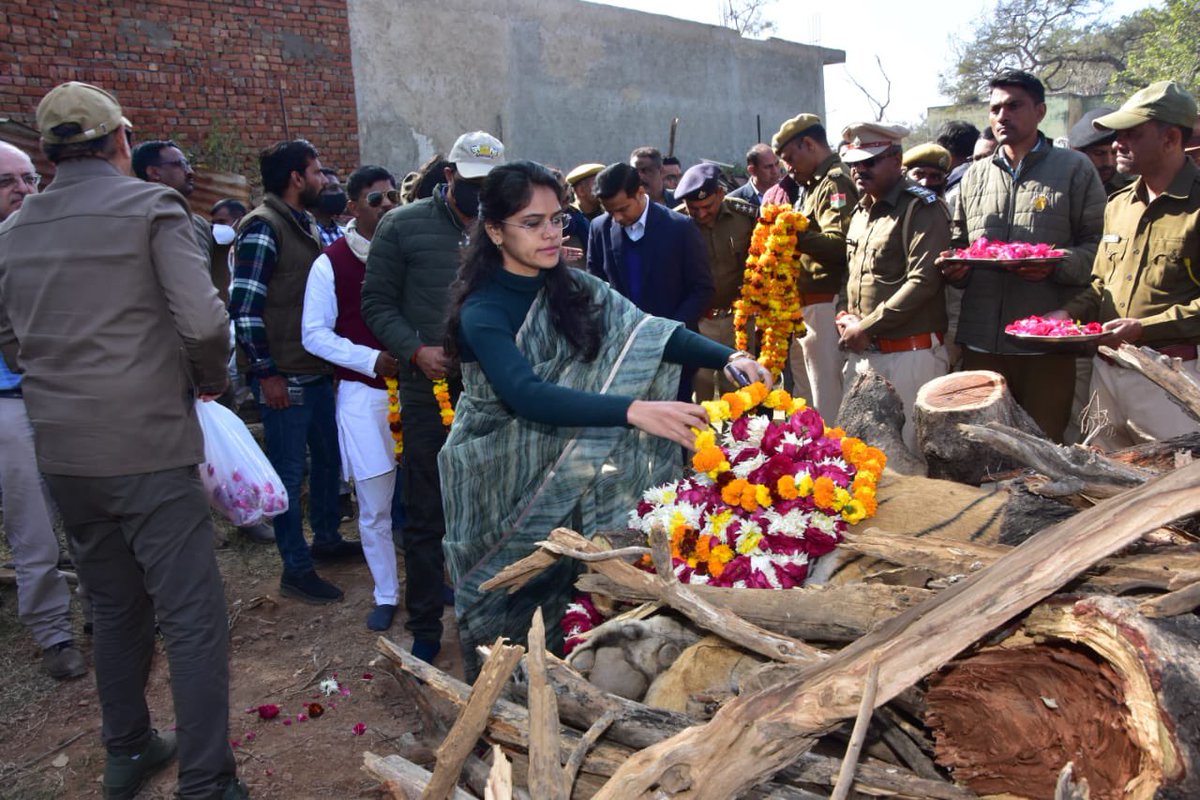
<point x="375" y="199"/>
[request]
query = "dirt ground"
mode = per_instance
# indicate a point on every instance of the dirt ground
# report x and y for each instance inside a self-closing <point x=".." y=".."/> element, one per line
<point x="281" y="650"/>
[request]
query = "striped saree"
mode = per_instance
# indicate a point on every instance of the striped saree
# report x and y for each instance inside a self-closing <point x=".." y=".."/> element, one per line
<point x="507" y="482"/>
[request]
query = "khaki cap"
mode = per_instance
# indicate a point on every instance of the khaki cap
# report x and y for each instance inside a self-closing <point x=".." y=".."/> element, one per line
<point x="94" y="110"/>
<point x="868" y="139"/>
<point x="793" y="128"/>
<point x="929" y="154"/>
<point x="583" y="171"/>
<point x="1164" y="101"/>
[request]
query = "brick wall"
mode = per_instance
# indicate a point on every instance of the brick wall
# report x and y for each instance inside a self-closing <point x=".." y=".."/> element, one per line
<point x="207" y="74"/>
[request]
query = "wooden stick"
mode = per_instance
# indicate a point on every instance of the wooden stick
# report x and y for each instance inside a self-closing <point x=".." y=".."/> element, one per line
<point x="591" y="557"/>
<point x="500" y="782"/>
<point x="401" y="778"/>
<point x="472" y="719"/>
<point x="545" y="770"/>
<point x="597" y="729"/>
<point x="858" y="735"/>
<point x="1165" y="372"/>
<point x="722" y="621"/>
<point x="1073" y="469"/>
<point x="766" y="730"/>
<point x="1172" y="604"/>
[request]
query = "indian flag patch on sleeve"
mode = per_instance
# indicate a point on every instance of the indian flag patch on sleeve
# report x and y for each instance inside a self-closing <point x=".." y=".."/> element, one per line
<point x="838" y="201"/>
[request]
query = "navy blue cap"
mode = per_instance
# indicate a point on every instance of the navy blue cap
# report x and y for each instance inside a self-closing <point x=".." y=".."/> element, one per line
<point x="699" y="182"/>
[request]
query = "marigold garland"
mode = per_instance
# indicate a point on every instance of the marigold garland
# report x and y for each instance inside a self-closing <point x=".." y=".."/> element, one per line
<point x="773" y="489"/>
<point x="441" y="390"/>
<point x="770" y="292"/>
<point x="393" y="417"/>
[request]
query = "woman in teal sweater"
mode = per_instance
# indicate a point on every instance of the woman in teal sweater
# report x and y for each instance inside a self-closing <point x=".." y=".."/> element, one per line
<point x="567" y="413"/>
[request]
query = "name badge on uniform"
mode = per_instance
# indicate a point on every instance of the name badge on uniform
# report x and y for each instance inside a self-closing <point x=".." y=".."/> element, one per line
<point x="1111" y="238"/>
<point x="838" y="201"/>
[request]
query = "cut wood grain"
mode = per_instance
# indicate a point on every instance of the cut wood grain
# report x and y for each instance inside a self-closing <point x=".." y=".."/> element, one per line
<point x="1165" y="372"/>
<point x="546" y="779"/>
<point x="401" y="778"/>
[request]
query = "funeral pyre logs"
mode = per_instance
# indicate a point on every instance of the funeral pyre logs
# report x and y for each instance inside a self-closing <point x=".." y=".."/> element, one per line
<point x="951" y="612"/>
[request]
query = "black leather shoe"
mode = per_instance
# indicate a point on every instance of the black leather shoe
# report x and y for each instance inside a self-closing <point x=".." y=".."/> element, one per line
<point x="309" y="587"/>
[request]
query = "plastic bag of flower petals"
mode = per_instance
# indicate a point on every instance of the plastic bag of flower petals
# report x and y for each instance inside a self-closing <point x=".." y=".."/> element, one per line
<point x="239" y="480"/>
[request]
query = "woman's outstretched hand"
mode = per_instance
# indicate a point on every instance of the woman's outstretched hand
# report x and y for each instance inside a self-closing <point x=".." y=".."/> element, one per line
<point x="667" y="419"/>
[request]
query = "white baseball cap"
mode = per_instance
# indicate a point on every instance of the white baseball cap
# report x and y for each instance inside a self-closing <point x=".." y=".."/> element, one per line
<point x="475" y="154"/>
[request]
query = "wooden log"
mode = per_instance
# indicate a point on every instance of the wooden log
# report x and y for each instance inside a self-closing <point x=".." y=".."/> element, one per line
<point x="1167" y="373"/>
<point x="472" y="719"/>
<point x="813" y="613"/>
<point x="765" y="731"/>
<point x="1074" y="469"/>
<point x="872" y="411"/>
<point x="1172" y="604"/>
<point x="1091" y="682"/>
<point x="638" y="726"/>
<point x="401" y="778"/>
<point x="975" y="397"/>
<point x="546" y="777"/>
<point x="509" y="722"/>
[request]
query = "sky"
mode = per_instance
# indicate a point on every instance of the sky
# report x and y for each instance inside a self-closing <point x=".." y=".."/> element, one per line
<point x="914" y="50"/>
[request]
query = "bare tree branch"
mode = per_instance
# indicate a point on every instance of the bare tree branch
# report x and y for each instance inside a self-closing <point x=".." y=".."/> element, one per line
<point x="878" y="107"/>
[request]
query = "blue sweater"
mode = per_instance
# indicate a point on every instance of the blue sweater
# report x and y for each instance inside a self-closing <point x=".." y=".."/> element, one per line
<point x="491" y="317"/>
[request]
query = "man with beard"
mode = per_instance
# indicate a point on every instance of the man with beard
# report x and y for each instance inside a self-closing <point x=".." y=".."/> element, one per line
<point x="413" y="260"/>
<point x="1099" y="147"/>
<point x="275" y="249"/>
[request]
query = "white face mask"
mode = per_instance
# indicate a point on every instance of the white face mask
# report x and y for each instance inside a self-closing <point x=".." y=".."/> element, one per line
<point x="223" y="234"/>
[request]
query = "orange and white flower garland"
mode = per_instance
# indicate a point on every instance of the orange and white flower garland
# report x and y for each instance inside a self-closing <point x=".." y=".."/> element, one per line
<point x="441" y="391"/>
<point x="770" y="292"/>
<point x="771" y="492"/>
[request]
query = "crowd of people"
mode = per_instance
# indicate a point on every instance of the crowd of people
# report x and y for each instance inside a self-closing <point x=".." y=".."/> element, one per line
<point x="486" y="349"/>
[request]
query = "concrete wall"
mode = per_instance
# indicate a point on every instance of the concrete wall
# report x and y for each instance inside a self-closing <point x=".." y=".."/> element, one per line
<point x="565" y="82"/>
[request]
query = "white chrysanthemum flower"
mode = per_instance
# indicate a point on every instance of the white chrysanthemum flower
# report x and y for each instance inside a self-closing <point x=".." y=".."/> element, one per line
<point x="824" y="522"/>
<point x="791" y="438"/>
<point x="662" y="495"/>
<point x="329" y="686"/>
<point x="749" y="465"/>
<point x="755" y="429"/>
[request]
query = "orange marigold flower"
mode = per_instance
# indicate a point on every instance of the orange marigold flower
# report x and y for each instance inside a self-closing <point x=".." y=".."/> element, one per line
<point x="732" y="492"/>
<point x="786" y="488"/>
<point x="824" y="492"/>
<point x="709" y="459"/>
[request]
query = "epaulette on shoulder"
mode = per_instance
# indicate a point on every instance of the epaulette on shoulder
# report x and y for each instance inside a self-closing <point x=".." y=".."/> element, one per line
<point x="740" y="206"/>
<point x="929" y="197"/>
<point x="835" y="171"/>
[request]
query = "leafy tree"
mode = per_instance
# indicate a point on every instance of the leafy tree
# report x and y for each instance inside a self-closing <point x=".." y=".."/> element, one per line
<point x="1167" y="49"/>
<point x="1053" y="39"/>
<point x="747" y="17"/>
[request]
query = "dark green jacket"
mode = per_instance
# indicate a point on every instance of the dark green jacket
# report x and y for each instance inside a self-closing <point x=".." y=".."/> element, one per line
<point x="1056" y="199"/>
<point x="412" y="262"/>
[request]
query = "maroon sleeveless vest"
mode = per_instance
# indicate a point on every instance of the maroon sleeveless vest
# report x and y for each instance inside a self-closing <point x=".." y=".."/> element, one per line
<point x="348" y="275"/>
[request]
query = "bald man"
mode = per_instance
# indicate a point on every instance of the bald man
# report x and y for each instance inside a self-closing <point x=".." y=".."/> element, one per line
<point x="43" y="599"/>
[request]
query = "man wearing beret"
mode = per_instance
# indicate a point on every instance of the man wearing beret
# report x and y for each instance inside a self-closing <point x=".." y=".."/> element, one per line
<point x="927" y="165"/>
<point x="1098" y="146"/>
<point x="726" y="224"/>
<point x="1027" y="191"/>
<point x="896" y="312"/>
<point x="1145" y="286"/>
<point x="818" y="185"/>
<point x="107" y="306"/>
<point x="582" y="181"/>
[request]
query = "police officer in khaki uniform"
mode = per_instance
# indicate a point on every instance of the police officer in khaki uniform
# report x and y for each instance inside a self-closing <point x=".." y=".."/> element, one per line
<point x="1146" y="277"/>
<point x="725" y="224"/>
<point x="896" y="309"/>
<point x="826" y="197"/>
<point x="928" y="165"/>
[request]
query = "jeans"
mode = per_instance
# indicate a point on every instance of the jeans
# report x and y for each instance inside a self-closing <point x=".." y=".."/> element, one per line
<point x="289" y="431"/>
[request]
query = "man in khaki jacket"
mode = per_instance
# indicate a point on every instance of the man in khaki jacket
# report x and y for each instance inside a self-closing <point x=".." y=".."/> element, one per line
<point x="896" y="309"/>
<point x="1144" y="281"/>
<point x="107" y="308"/>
